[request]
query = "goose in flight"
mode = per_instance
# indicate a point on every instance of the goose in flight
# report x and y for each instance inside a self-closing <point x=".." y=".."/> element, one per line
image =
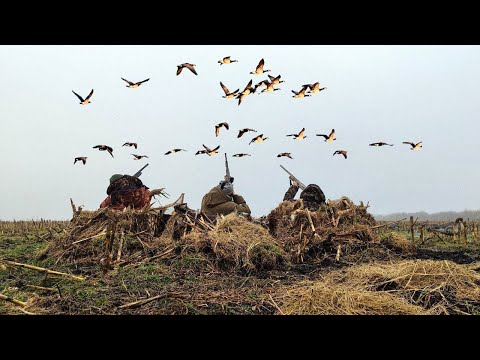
<point x="82" y="100"/>
<point x="81" y="158"/>
<point x="130" y="144"/>
<point x="247" y="91"/>
<point x="380" y="144"/>
<point x="285" y="154"/>
<point x="226" y="60"/>
<point x="258" y="139"/>
<point x="104" y="148"/>
<point x="133" y="85"/>
<point x="301" y="93"/>
<point x="259" y="69"/>
<point x="188" y="66"/>
<point x="330" y="137"/>
<point x="138" y="157"/>
<point x="228" y="94"/>
<point x="270" y="88"/>
<point x="241" y="155"/>
<point x="174" y="151"/>
<point x="414" y="146"/>
<point x="218" y="126"/>
<point x="263" y="83"/>
<point x="341" y="152"/>
<point x="299" y="136"/>
<point x="315" y="88"/>
<point x="275" y="80"/>
<point x="243" y="131"/>
<point x="211" y="152"/>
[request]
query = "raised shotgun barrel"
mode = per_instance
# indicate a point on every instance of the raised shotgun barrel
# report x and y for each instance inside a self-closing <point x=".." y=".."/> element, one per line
<point x="139" y="172"/>
<point x="300" y="184"/>
<point x="230" y="179"/>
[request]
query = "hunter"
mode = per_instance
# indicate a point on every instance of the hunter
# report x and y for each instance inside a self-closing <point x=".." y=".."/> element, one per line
<point x="126" y="191"/>
<point x="312" y="196"/>
<point x="223" y="200"/>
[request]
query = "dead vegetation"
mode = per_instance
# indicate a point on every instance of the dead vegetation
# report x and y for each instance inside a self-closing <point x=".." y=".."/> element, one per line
<point x="150" y="262"/>
<point x="404" y="287"/>
<point x="237" y="243"/>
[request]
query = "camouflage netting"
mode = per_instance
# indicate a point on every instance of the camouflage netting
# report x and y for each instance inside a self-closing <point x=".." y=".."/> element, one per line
<point x="341" y="228"/>
<point x="92" y="235"/>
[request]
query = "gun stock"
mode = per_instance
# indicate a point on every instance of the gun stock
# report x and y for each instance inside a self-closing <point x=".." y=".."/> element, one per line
<point x="300" y="184"/>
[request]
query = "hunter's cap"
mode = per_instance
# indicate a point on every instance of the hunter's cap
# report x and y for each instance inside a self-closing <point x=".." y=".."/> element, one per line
<point x="115" y="177"/>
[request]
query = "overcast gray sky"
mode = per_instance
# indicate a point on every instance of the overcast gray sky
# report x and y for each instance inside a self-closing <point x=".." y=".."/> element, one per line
<point x="374" y="93"/>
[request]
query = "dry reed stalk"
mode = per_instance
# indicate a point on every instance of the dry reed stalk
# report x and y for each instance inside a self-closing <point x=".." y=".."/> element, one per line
<point x="44" y="270"/>
<point x="12" y="300"/>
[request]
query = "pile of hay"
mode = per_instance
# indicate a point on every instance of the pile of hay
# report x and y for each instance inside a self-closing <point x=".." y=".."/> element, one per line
<point x="337" y="223"/>
<point x="322" y="298"/>
<point x="236" y="243"/>
<point x="93" y="236"/>
<point x="409" y="286"/>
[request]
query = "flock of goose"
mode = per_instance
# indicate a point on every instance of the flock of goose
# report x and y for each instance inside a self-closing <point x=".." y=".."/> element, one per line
<point x="268" y="85"/>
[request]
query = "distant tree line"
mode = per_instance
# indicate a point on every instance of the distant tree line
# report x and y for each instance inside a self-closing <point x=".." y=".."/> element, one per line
<point x="439" y="216"/>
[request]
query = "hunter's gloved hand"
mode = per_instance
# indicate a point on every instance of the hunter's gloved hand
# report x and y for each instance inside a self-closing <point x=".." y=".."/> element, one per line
<point x="292" y="181"/>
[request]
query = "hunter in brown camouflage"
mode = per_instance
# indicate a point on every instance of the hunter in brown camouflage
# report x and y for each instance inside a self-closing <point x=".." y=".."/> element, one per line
<point x="223" y="200"/>
<point x="126" y="191"/>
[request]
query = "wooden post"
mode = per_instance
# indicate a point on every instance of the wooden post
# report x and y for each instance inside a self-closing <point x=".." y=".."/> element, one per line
<point x="411" y="230"/>
<point x="464" y="228"/>
<point x="454" y="227"/>
<point x="422" y="233"/>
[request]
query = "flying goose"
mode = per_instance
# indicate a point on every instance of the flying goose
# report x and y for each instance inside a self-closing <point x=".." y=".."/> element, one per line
<point x="380" y="144"/>
<point x="301" y="93"/>
<point x="275" y="80"/>
<point x="259" y="70"/>
<point x="130" y="144"/>
<point x="416" y="146"/>
<point x="134" y="85"/>
<point x="299" y="136"/>
<point x="211" y="152"/>
<point x="263" y="83"/>
<point x="226" y="60"/>
<point x="228" y="94"/>
<point x="104" y="148"/>
<point x="81" y="158"/>
<point x="218" y="126"/>
<point x="315" y="88"/>
<point x="188" y="66"/>
<point x="241" y="155"/>
<point x="247" y="91"/>
<point x="82" y="100"/>
<point x="138" y="157"/>
<point x="174" y="151"/>
<point x="286" y="154"/>
<point x="270" y="88"/>
<point x="258" y="139"/>
<point x="341" y="152"/>
<point x="330" y="137"/>
<point x="243" y="131"/>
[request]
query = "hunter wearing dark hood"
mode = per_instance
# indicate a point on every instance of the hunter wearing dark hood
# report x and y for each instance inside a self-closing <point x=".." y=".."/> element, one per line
<point x="312" y="196"/>
<point x="126" y="191"/>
